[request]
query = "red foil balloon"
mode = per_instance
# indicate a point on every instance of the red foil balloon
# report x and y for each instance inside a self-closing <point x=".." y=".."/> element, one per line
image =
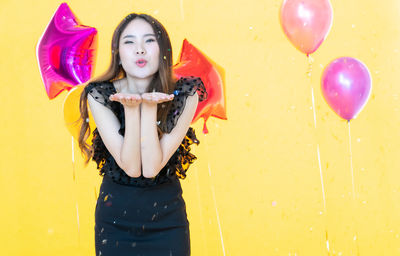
<point x="346" y="86"/>
<point x="66" y="52"/>
<point x="306" y="22"/>
<point x="193" y="62"/>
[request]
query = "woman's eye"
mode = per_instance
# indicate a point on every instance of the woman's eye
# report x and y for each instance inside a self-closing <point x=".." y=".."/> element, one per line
<point x="128" y="42"/>
<point x="150" y="40"/>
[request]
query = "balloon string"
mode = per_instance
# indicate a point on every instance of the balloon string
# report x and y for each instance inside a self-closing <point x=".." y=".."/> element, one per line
<point x="182" y="12"/>
<point x="215" y="205"/>
<point x="351" y="164"/>
<point x="76" y="189"/>
<point x="353" y="191"/>
<point x="309" y="72"/>
<point x="322" y="180"/>
<point x="324" y="200"/>
<point x="313" y="107"/>
<point x="309" y="69"/>
<point x="201" y="212"/>
<point x="216" y="210"/>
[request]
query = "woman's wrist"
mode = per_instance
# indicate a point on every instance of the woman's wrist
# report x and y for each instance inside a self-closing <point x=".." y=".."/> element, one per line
<point x="149" y="105"/>
<point x="131" y="108"/>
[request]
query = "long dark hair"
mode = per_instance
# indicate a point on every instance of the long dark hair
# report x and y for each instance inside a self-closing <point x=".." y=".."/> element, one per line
<point x="163" y="79"/>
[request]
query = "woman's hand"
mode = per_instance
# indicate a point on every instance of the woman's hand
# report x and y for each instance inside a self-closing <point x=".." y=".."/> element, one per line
<point x="154" y="98"/>
<point x="128" y="100"/>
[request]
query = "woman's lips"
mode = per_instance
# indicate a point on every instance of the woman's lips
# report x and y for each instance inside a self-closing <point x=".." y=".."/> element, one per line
<point x="141" y="63"/>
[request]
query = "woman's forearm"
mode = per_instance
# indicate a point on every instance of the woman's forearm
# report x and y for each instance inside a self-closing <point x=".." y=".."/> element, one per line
<point x="130" y="151"/>
<point x="151" y="153"/>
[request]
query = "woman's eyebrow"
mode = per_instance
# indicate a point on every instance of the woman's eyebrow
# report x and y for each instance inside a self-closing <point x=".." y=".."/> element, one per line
<point x="135" y="36"/>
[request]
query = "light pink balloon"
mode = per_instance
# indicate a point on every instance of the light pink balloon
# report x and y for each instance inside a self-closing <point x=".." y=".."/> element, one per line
<point x="346" y="86"/>
<point x="306" y="23"/>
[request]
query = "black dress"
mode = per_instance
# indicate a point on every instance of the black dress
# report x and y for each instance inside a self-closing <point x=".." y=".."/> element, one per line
<point x="143" y="216"/>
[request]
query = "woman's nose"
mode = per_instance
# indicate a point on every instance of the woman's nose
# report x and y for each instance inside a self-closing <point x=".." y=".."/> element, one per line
<point x="139" y="49"/>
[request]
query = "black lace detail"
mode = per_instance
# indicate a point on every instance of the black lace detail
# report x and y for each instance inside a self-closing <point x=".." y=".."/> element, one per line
<point x="182" y="158"/>
<point x="185" y="86"/>
<point x="180" y="161"/>
<point x="101" y="93"/>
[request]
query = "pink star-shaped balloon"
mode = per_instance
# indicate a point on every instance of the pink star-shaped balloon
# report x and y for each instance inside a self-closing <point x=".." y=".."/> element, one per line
<point x="66" y="52"/>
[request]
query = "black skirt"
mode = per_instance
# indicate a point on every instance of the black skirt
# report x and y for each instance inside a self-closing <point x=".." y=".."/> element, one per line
<point x="142" y="221"/>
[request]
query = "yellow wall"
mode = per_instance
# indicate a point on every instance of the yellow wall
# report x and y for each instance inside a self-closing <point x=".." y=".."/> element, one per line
<point x="256" y="187"/>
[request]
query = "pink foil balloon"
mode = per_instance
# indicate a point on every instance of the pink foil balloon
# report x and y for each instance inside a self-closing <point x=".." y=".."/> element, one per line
<point x="346" y="86"/>
<point x="66" y="52"/>
<point x="306" y="22"/>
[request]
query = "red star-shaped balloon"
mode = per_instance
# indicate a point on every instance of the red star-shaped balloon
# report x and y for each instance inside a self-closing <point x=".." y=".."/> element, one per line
<point x="192" y="62"/>
<point x="66" y="52"/>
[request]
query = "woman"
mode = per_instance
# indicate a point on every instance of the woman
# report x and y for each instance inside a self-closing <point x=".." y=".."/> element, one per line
<point x="141" y="144"/>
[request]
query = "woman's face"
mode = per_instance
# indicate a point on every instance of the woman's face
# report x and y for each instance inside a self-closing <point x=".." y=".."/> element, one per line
<point x="139" y="50"/>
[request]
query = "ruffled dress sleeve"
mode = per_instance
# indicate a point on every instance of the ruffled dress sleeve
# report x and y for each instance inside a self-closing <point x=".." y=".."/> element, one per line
<point x="101" y="92"/>
<point x="180" y="160"/>
<point x="185" y="86"/>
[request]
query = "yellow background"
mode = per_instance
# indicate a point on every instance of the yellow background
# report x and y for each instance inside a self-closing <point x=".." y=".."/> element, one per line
<point x="256" y="188"/>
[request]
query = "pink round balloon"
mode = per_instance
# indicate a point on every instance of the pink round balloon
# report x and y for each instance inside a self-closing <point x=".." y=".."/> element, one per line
<point x="346" y="86"/>
<point x="306" y="23"/>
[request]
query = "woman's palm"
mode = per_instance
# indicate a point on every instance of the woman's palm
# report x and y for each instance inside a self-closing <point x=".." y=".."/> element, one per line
<point x="156" y="97"/>
<point x="127" y="99"/>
